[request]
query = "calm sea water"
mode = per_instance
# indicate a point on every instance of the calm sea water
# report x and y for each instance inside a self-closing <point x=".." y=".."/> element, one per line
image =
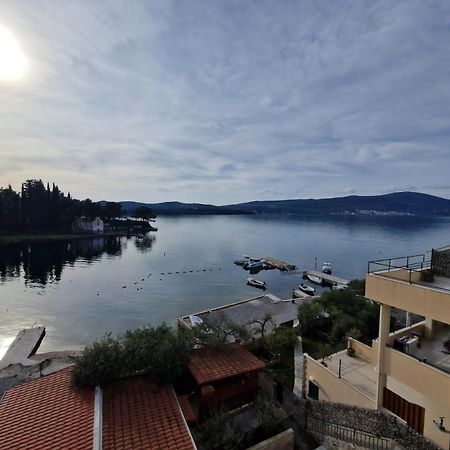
<point x="76" y="288"/>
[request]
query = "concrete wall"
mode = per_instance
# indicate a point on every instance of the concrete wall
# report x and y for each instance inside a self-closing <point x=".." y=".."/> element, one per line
<point x="332" y="388"/>
<point x="425" y="301"/>
<point x="431" y="382"/>
<point x="282" y="441"/>
<point x="432" y="412"/>
<point x="362" y="350"/>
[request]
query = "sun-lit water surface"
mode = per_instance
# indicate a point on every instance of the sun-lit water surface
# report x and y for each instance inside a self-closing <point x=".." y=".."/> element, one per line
<point x="76" y="288"/>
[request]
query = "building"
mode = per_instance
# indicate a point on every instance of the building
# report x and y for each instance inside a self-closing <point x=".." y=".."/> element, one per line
<point x="226" y="375"/>
<point x="406" y="372"/>
<point x="249" y="312"/>
<point x="83" y="225"/>
<point x="134" y="413"/>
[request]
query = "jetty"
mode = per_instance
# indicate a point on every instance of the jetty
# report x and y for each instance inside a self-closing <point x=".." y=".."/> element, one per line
<point x="278" y="264"/>
<point x="24" y="345"/>
<point x="327" y="280"/>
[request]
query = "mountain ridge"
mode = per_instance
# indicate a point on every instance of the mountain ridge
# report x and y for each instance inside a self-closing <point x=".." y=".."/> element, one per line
<point x="396" y="203"/>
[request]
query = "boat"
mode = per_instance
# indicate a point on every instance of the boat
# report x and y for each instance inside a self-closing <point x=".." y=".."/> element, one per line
<point x="243" y="261"/>
<point x="254" y="263"/>
<point x="297" y="293"/>
<point x="326" y="268"/>
<point x="314" y="279"/>
<point x="256" y="283"/>
<point x="306" y="289"/>
<point x="338" y="287"/>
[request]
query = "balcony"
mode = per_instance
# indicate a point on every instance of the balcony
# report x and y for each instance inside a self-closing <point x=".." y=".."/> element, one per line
<point x="410" y="284"/>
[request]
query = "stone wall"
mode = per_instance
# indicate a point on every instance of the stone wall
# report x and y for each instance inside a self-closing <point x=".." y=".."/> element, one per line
<point x="440" y="261"/>
<point x="281" y="441"/>
<point x="368" y="420"/>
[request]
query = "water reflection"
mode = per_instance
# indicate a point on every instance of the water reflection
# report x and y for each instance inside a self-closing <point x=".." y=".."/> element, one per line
<point x="144" y="243"/>
<point x="43" y="262"/>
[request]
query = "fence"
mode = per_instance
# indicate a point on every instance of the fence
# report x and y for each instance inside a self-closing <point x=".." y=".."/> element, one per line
<point x="352" y="435"/>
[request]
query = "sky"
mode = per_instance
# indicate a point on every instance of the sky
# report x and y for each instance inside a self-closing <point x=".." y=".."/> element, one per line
<point x="227" y="101"/>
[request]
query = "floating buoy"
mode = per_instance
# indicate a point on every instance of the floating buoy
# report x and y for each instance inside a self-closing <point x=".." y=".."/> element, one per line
<point x="143" y="279"/>
<point x="162" y="273"/>
<point x="123" y="287"/>
<point x="169" y="273"/>
<point x="135" y="282"/>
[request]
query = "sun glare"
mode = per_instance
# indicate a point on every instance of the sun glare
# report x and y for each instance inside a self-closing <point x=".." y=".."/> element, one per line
<point x="12" y="58"/>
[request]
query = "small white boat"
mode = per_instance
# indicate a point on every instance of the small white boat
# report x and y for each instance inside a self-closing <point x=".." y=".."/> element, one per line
<point x="338" y="287"/>
<point x="243" y="261"/>
<point x="254" y="263"/>
<point x="256" y="283"/>
<point x="306" y="289"/>
<point x="297" y="293"/>
<point x="314" y="279"/>
<point x="326" y="268"/>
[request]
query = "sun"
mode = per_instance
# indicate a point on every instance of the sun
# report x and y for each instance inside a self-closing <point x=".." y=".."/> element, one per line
<point x="12" y="58"/>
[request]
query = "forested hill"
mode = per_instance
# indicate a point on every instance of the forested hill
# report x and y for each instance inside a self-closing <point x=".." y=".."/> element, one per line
<point x="399" y="203"/>
<point x="178" y="208"/>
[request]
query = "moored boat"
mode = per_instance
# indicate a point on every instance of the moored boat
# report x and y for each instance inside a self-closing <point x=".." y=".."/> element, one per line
<point x="338" y="287"/>
<point x="254" y="263"/>
<point x="242" y="261"/>
<point x="326" y="268"/>
<point x="306" y="289"/>
<point x="256" y="283"/>
<point x="314" y="279"/>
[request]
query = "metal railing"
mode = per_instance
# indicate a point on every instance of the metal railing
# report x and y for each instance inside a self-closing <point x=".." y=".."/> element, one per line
<point x="411" y="263"/>
<point x="353" y="435"/>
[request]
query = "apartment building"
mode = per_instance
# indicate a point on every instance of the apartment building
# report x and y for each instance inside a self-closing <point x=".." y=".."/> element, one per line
<point x="406" y="372"/>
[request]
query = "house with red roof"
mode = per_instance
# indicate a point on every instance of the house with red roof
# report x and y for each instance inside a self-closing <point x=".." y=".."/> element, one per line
<point x="224" y="375"/>
<point x="133" y="413"/>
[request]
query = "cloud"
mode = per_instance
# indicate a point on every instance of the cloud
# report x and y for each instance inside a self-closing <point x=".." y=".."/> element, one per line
<point x="223" y="102"/>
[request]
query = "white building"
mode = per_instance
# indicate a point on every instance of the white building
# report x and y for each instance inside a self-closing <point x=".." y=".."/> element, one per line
<point x="82" y="225"/>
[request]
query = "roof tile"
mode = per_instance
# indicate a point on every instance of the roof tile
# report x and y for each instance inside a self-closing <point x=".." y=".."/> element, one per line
<point x="211" y="364"/>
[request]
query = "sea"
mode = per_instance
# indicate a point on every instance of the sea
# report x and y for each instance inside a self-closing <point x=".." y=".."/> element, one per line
<point x="82" y="289"/>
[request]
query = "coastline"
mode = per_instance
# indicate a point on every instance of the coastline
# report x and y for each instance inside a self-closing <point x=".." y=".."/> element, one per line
<point x="16" y="238"/>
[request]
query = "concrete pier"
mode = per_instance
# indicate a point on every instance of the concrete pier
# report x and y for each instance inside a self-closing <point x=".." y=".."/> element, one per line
<point x="328" y="280"/>
<point x="24" y="345"/>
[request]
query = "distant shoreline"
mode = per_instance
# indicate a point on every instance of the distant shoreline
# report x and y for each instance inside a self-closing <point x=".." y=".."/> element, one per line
<point x="42" y="237"/>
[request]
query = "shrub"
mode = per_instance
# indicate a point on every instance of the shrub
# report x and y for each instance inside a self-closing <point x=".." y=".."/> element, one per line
<point x="100" y="363"/>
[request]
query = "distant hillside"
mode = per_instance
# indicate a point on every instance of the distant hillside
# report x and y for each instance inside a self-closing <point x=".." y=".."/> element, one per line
<point x="177" y="208"/>
<point x="398" y="203"/>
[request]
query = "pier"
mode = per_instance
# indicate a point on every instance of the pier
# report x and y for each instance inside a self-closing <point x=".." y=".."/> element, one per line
<point x="278" y="264"/>
<point x="24" y="345"/>
<point x="327" y="280"/>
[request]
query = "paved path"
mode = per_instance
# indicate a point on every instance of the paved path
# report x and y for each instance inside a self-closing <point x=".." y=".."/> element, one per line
<point x="298" y="365"/>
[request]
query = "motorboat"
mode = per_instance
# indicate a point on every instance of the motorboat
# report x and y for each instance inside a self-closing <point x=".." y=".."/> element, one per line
<point x="338" y="287"/>
<point x="254" y="263"/>
<point x="306" y="289"/>
<point x="326" y="268"/>
<point x="256" y="283"/>
<point x="297" y="293"/>
<point x="314" y="279"/>
<point x="243" y="261"/>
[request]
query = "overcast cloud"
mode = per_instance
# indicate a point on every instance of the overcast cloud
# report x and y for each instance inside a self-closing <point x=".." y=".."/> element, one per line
<point x="228" y="101"/>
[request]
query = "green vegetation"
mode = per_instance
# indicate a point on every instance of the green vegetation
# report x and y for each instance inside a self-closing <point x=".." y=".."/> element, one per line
<point x="327" y="322"/>
<point x="39" y="208"/>
<point x="220" y="432"/>
<point x="160" y="352"/>
<point x="216" y="331"/>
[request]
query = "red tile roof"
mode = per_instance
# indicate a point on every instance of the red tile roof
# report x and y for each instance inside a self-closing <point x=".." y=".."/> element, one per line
<point x="138" y="414"/>
<point x="47" y="413"/>
<point x="186" y="408"/>
<point x="211" y="364"/>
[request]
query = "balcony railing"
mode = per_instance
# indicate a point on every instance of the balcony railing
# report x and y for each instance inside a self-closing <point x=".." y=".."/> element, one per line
<point x="412" y="263"/>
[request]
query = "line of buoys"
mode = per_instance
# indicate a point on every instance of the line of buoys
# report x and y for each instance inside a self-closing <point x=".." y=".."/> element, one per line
<point x="171" y="273"/>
